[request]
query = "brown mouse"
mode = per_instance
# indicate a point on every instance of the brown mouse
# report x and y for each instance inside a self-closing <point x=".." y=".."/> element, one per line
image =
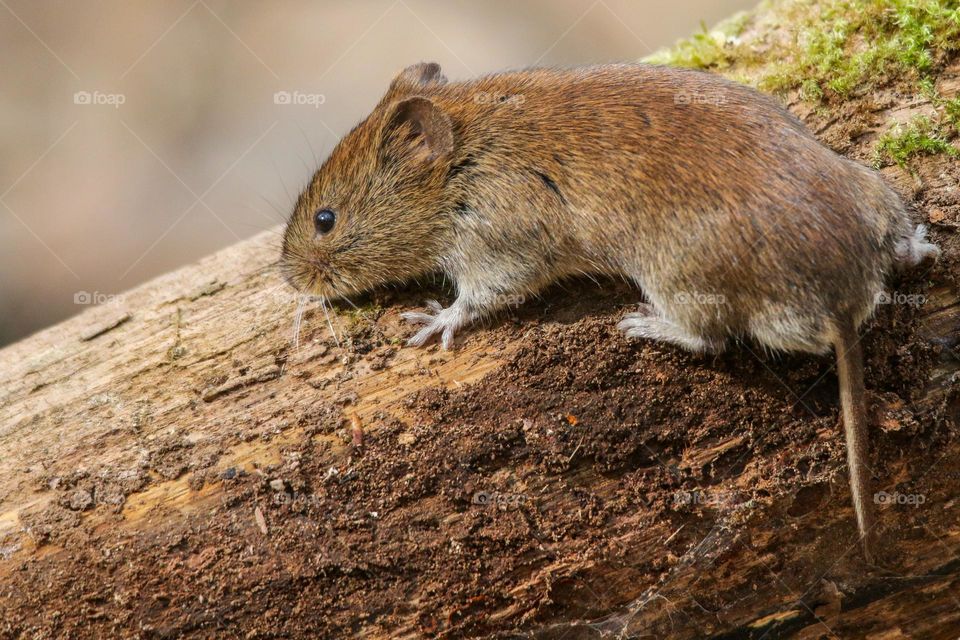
<point x="711" y="197"/>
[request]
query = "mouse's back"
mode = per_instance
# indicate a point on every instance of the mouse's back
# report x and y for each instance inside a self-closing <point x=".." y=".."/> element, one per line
<point x="691" y="183"/>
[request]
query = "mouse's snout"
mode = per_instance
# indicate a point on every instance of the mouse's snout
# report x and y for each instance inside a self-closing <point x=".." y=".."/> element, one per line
<point x="308" y="275"/>
<point x="304" y="268"/>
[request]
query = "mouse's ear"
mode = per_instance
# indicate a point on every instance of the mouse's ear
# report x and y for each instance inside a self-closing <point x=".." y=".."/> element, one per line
<point x="418" y="127"/>
<point x="416" y="76"/>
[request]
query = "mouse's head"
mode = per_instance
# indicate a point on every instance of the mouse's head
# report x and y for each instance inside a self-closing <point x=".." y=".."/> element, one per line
<point x="377" y="210"/>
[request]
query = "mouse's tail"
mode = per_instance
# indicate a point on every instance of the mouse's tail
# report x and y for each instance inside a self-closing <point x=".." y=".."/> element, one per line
<point x="854" y="409"/>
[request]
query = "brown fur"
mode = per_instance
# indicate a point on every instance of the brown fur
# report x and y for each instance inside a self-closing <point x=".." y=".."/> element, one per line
<point x="732" y="218"/>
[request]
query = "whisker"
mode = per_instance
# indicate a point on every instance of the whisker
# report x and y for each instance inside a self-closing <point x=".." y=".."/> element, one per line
<point x="284" y="215"/>
<point x="283" y="184"/>
<point x="323" y="304"/>
<point x="274" y="229"/>
<point x="316" y="162"/>
<point x="297" y="320"/>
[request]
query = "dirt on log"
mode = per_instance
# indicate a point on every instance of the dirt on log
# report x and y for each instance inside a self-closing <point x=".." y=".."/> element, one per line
<point x="172" y="465"/>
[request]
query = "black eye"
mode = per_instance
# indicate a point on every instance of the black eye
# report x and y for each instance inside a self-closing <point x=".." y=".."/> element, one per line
<point x="324" y="220"/>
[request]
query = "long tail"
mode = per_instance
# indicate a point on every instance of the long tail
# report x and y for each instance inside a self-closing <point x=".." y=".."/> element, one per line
<point x="854" y="407"/>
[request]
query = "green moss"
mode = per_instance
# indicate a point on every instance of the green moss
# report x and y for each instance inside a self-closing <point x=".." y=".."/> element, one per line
<point x="810" y="90"/>
<point x="951" y="111"/>
<point x="707" y="49"/>
<point x="921" y="136"/>
<point x="928" y="89"/>
<point x="842" y="47"/>
<point x="849" y="46"/>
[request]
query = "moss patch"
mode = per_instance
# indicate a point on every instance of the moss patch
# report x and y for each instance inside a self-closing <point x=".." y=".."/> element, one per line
<point x="922" y="135"/>
<point x="850" y="46"/>
<point x="709" y="48"/>
<point x="951" y="109"/>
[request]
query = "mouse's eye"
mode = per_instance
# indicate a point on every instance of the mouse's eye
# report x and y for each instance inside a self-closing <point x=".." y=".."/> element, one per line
<point x="324" y="221"/>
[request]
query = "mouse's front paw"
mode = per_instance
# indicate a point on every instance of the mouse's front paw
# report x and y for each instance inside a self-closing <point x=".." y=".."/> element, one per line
<point x="442" y="321"/>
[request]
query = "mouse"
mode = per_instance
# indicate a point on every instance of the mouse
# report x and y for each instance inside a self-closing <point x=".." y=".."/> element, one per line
<point x="723" y="209"/>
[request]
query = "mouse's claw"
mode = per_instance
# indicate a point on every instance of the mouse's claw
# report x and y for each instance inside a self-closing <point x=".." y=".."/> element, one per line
<point x="418" y="317"/>
<point x="441" y="321"/>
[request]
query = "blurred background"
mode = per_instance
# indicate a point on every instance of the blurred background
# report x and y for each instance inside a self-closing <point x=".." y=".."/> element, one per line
<point x="139" y="136"/>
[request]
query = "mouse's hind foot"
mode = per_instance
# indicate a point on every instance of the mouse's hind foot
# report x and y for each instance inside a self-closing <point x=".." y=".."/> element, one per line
<point x="647" y="323"/>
